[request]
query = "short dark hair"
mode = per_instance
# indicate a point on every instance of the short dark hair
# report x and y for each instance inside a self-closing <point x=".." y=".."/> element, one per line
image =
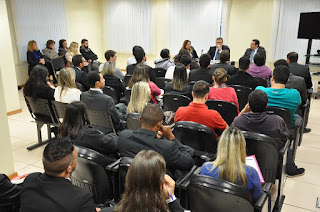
<point x="200" y="89"/>
<point x="108" y="54"/>
<point x="224" y="56"/>
<point x="205" y="60"/>
<point x="259" y="59"/>
<point x="61" y="42"/>
<point x="134" y="48"/>
<point x="258" y="101"/>
<point x="281" y="62"/>
<point x="151" y="115"/>
<point x="244" y="63"/>
<point x="194" y="65"/>
<point x="57" y="156"/>
<point x="219" y="38"/>
<point x="49" y="42"/>
<point x="83" y="40"/>
<point x="256" y="41"/>
<point x="281" y="74"/>
<point x="165" y="53"/>
<point x="181" y="53"/>
<point x="139" y="54"/>
<point x="293" y="56"/>
<point x="77" y="59"/>
<point x="92" y="78"/>
<point x="185" y="60"/>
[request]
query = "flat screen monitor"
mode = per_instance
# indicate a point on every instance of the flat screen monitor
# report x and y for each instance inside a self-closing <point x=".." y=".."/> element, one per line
<point x="309" y="26"/>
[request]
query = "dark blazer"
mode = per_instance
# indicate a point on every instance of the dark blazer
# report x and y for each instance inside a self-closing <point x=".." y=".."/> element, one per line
<point x="152" y="76"/>
<point x="99" y="101"/>
<point x="261" y="50"/>
<point x="231" y="70"/>
<point x="212" y="50"/>
<point x="32" y="60"/>
<point x="299" y="84"/>
<point x="244" y="79"/>
<point x="9" y="192"/>
<point x="186" y="90"/>
<point x="176" y="155"/>
<point x="194" y="52"/>
<point x="116" y="84"/>
<point x="42" y="192"/>
<point x="302" y="71"/>
<point x="81" y="77"/>
<point x="201" y="74"/>
<point x="43" y="92"/>
<point x="88" y="54"/>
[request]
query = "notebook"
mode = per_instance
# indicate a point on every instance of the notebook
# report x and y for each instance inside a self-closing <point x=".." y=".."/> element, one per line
<point x="252" y="161"/>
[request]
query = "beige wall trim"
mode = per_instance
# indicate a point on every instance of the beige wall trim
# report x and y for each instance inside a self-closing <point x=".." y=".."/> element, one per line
<point x="14" y="112"/>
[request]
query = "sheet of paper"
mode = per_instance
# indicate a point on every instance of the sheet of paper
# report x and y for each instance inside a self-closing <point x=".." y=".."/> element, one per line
<point x="252" y="161"/>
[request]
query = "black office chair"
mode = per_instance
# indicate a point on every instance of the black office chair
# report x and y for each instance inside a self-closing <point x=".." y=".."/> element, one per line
<point x="242" y="95"/>
<point x="101" y="120"/>
<point x="127" y="94"/>
<point x="161" y="82"/>
<point x="126" y="80"/>
<point x="58" y="109"/>
<point x="261" y="81"/>
<point x="171" y="102"/>
<point x="159" y="72"/>
<point x="227" y="110"/>
<point x="111" y="92"/>
<point x="57" y="64"/>
<point x="80" y="87"/>
<point x="191" y="83"/>
<point x="92" y="176"/>
<point x="133" y="122"/>
<point x="41" y="111"/>
<point x="123" y="170"/>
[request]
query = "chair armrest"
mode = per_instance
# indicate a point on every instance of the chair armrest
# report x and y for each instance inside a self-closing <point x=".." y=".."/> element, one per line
<point x="184" y="183"/>
<point x="284" y="148"/>
<point x="267" y="187"/>
<point x="185" y="177"/>
<point x="208" y="157"/>
<point x="263" y="197"/>
<point x="111" y="166"/>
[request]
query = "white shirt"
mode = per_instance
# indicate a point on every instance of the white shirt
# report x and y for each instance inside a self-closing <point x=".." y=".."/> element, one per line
<point x="68" y="95"/>
<point x="96" y="89"/>
<point x="170" y="71"/>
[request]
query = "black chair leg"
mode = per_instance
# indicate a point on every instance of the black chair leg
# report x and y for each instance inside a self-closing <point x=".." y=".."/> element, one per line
<point x="40" y="142"/>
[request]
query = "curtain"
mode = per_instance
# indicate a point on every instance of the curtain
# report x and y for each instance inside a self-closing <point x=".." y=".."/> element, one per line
<point x="199" y="21"/>
<point x="128" y="23"/>
<point x="39" y="20"/>
<point x="286" y="32"/>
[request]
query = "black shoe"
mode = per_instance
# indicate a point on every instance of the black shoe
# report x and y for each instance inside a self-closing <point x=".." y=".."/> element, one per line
<point x="296" y="173"/>
<point x="306" y="130"/>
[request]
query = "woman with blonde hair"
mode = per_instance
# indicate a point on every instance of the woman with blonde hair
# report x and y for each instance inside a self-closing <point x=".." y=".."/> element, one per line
<point x="230" y="164"/>
<point x="187" y="46"/>
<point x="67" y="91"/>
<point x="72" y="51"/>
<point x="111" y="80"/>
<point x="34" y="56"/>
<point x="220" y="91"/>
<point x="140" y="96"/>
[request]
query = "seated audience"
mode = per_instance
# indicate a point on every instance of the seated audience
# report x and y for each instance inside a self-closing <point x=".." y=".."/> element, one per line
<point x="81" y="76"/>
<point x="37" y="85"/>
<point x="9" y="194"/>
<point x="179" y="84"/>
<point x="63" y="48"/>
<point x="254" y="48"/>
<point x="141" y="74"/>
<point x="111" y="57"/>
<point x="86" y="52"/>
<point x="140" y="97"/>
<point x="230" y="164"/>
<point x="187" y="46"/>
<point x="67" y="90"/>
<point x="224" y="58"/>
<point x="153" y="180"/>
<point x="72" y="51"/>
<point x="259" y="69"/>
<point x="34" y="56"/>
<point x="132" y="60"/>
<point x="185" y="60"/>
<point x="140" y="56"/>
<point x="194" y="65"/>
<point x="75" y="126"/>
<point x="220" y="91"/>
<point x="53" y="190"/>
<point x="242" y="77"/>
<point x="198" y="111"/>
<point x="165" y="61"/>
<point x="154" y="136"/>
<point x="202" y="73"/>
<point x="279" y="95"/>
<point x="254" y="119"/>
<point x="50" y="52"/>
<point x="108" y="73"/>
<point x="298" y="69"/>
<point x="177" y="58"/>
<point x="215" y="51"/>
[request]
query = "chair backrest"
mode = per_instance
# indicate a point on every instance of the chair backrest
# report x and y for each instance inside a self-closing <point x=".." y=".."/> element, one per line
<point x="92" y="176"/>
<point x="111" y="92"/>
<point x="191" y="83"/>
<point x="123" y="170"/>
<point x="133" y="122"/>
<point x="242" y="95"/>
<point x="227" y="110"/>
<point x="80" y="87"/>
<point x="261" y="81"/>
<point x="101" y="119"/>
<point x="161" y="82"/>
<point x="282" y="112"/>
<point x="59" y="108"/>
<point x="266" y="151"/>
<point x="171" y="102"/>
<point x="160" y="72"/>
<point x="210" y="194"/>
<point x="127" y="94"/>
<point x="126" y="80"/>
<point x="195" y="135"/>
<point x="57" y="64"/>
<point x="40" y="110"/>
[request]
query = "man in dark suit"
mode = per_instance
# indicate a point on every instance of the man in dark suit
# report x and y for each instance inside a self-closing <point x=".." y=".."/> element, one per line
<point x="140" y="56"/>
<point x="81" y="76"/>
<point x="53" y="190"/>
<point x="154" y="136"/>
<point x="298" y="69"/>
<point x="86" y="52"/>
<point x="214" y="51"/>
<point x="224" y="57"/>
<point x="242" y="77"/>
<point x="254" y="48"/>
<point x="202" y="73"/>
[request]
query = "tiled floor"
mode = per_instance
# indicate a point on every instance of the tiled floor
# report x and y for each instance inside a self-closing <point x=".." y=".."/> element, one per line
<point x="301" y="192"/>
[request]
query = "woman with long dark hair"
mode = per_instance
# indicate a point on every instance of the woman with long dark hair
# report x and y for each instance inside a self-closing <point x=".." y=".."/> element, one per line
<point x="187" y="46"/>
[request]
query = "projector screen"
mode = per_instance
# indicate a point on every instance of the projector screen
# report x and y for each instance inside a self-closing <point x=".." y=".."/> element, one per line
<point x="309" y="25"/>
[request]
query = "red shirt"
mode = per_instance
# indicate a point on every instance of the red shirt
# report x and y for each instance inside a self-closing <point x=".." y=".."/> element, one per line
<point x="227" y="94"/>
<point x="200" y="113"/>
